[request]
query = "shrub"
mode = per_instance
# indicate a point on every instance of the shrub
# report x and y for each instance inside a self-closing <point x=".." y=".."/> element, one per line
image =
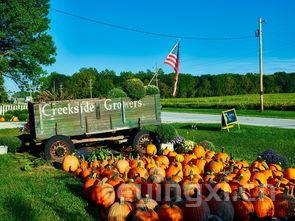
<point x="134" y="89"/>
<point x="13" y="143"/>
<point x="116" y="93"/>
<point x="152" y="89"/>
<point x="270" y="156"/>
<point x="7" y="116"/>
<point x="23" y="117"/>
<point x="166" y="132"/>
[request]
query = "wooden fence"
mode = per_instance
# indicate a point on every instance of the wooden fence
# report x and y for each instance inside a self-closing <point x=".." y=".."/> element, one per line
<point x="7" y="107"/>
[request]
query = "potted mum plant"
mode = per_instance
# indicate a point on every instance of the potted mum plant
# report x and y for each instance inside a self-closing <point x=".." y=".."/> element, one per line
<point x="9" y="143"/>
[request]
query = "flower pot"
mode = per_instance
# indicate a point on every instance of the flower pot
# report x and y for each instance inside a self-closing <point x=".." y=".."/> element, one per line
<point x="3" y="149"/>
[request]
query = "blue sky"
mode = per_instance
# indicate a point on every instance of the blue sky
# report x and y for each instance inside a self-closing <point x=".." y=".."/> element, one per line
<point x="84" y="44"/>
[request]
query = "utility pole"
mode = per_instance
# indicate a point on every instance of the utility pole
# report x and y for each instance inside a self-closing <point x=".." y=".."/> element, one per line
<point x="157" y="83"/>
<point x="260" y="22"/>
<point x="90" y="87"/>
<point x="60" y="89"/>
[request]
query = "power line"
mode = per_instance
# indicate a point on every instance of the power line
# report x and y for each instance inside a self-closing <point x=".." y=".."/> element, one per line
<point x="148" y="32"/>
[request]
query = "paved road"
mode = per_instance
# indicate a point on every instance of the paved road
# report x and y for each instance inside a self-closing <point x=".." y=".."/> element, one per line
<point x="171" y="117"/>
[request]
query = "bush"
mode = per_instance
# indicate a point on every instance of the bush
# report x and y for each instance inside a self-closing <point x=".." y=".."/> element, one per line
<point x="270" y="156"/>
<point x="23" y="117"/>
<point x="166" y="132"/>
<point x="116" y="93"/>
<point x="7" y="116"/>
<point x="13" y="143"/>
<point x="134" y="89"/>
<point x="152" y="89"/>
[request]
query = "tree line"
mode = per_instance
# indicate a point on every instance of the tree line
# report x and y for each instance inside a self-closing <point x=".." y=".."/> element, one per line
<point x="80" y="83"/>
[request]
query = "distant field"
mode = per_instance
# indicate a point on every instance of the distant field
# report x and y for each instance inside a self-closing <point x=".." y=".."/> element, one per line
<point x="250" y="101"/>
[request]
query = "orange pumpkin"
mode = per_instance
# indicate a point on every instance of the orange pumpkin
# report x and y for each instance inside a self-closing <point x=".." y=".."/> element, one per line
<point x="146" y="202"/>
<point x="145" y="215"/>
<point x="103" y="194"/>
<point x="170" y="213"/>
<point x="88" y="184"/>
<point x="201" y="163"/>
<point x="289" y="174"/>
<point x="129" y="191"/>
<point x="263" y="206"/>
<point x="199" y="151"/>
<point x="115" y="180"/>
<point x="119" y="211"/>
<point x="221" y="156"/>
<point x="214" y="166"/>
<point x="151" y="149"/>
<point x="284" y="205"/>
<point x="70" y="163"/>
<point x="243" y="207"/>
<point x="2" y="119"/>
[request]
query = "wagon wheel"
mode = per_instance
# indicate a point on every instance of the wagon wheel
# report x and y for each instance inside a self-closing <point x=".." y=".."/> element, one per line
<point x="142" y="139"/>
<point x="57" y="147"/>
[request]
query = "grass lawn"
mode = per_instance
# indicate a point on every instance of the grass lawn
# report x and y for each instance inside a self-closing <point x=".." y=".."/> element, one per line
<point x="45" y="193"/>
<point x="253" y="113"/>
<point x="241" y="102"/>
<point x="246" y="143"/>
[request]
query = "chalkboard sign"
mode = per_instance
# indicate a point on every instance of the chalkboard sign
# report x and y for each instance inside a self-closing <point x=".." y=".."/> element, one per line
<point x="228" y="119"/>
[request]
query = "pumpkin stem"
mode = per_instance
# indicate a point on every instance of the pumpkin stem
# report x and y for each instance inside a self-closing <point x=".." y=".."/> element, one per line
<point x="261" y="194"/>
<point x="104" y="180"/>
<point x="260" y="184"/>
<point x="122" y="200"/>
<point x="292" y="191"/>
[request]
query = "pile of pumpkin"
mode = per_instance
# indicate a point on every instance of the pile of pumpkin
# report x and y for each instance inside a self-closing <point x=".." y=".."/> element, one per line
<point x="138" y="189"/>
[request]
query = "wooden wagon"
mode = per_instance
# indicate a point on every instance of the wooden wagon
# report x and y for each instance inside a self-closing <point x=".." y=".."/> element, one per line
<point x="58" y="125"/>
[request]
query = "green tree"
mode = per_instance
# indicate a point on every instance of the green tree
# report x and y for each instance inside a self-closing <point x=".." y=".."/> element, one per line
<point x="54" y="82"/>
<point x="25" y="45"/>
<point x="80" y="82"/>
<point x="3" y="94"/>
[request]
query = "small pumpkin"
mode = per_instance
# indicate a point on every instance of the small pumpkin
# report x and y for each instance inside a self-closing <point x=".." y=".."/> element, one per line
<point x="222" y="156"/>
<point x="145" y="215"/>
<point x="199" y="151"/>
<point x="70" y="163"/>
<point x="119" y="211"/>
<point x="285" y="204"/>
<point x="123" y="166"/>
<point x="2" y="119"/>
<point x="151" y="149"/>
<point x="146" y="202"/>
<point x="289" y="174"/>
<point x="243" y="207"/>
<point x="179" y="158"/>
<point x="214" y="166"/>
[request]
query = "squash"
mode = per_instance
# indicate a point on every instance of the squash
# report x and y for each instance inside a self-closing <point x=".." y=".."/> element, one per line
<point x="119" y="211"/>
<point x="146" y="202"/>
<point x="151" y="149"/>
<point x="145" y="215"/>
<point x="70" y="163"/>
<point x="179" y="158"/>
<point x="170" y="213"/>
<point x="103" y="194"/>
<point x="263" y="206"/>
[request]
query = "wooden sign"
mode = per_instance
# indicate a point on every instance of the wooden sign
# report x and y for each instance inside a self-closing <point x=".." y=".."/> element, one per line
<point x="229" y="119"/>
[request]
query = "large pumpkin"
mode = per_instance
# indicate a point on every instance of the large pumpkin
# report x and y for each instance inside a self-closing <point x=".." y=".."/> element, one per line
<point x="243" y="207"/>
<point x="170" y="213"/>
<point x="70" y="163"/>
<point x="263" y="206"/>
<point x="119" y="211"/>
<point x="103" y="194"/>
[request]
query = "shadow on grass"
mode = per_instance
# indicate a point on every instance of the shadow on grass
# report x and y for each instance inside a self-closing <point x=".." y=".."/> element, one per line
<point x="18" y="209"/>
<point x="196" y="127"/>
<point x="92" y="209"/>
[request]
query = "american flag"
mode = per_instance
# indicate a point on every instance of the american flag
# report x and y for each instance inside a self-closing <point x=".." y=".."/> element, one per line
<point x="173" y="60"/>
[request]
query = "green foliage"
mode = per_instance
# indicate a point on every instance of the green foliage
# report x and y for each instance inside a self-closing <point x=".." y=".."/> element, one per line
<point x="166" y="132"/>
<point x="134" y="88"/>
<point x="99" y="154"/>
<point x="25" y="44"/>
<point x="8" y="116"/>
<point x="152" y="89"/>
<point x="116" y="93"/>
<point x="23" y="117"/>
<point x="3" y="94"/>
<point x="13" y="143"/>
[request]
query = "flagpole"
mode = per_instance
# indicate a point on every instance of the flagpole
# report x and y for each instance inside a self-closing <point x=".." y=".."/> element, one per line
<point x="175" y="86"/>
